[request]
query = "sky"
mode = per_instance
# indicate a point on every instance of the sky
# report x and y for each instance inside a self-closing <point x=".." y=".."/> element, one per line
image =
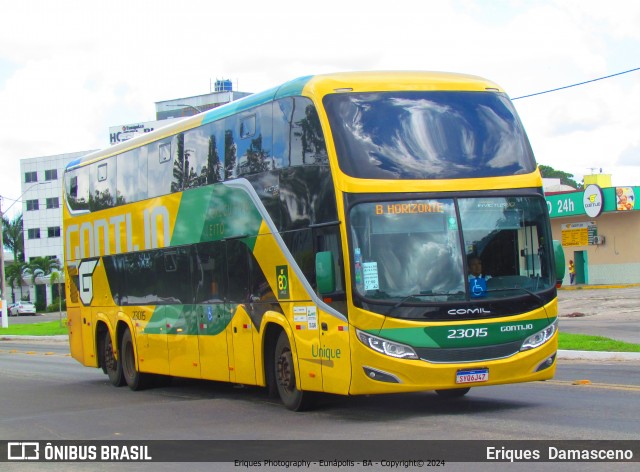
<point x="70" y="69"/>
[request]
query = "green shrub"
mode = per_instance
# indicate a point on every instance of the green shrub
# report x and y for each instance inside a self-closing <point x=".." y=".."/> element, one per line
<point x="55" y="306"/>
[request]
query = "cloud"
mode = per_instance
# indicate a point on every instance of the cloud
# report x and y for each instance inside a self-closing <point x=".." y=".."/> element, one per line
<point x="630" y="156"/>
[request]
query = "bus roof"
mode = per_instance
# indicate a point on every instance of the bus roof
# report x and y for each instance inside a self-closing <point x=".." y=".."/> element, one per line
<point x="313" y="85"/>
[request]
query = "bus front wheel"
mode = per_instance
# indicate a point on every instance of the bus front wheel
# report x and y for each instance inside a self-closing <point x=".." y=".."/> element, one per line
<point x="135" y="380"/>
<point x="285" y="376"/>
<point x="112" y="366"/>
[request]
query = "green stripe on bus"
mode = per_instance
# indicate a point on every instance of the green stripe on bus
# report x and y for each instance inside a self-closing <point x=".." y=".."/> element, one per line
<point x="460" y="336"/>
<point x="214" y="213"/>
<point x="203" y="320"/>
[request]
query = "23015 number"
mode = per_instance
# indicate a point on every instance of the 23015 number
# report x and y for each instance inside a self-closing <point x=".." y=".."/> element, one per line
<point x="468" y="333"/>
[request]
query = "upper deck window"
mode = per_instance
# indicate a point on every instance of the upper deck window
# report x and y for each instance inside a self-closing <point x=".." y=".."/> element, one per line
<point x="428" y="135"/>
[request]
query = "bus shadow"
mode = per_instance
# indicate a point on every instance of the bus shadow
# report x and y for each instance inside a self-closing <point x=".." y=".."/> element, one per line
<point x="384" y="407"/>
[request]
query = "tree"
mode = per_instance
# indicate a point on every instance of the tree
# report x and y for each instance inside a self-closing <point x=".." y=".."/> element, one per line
<point x="41" y="267"/>
<point x="230" y="155"/>
<point x="13" y="236"/>
<point x="549" y="172"/>
<point x="56" y="279"/>
<point x="14" y="275"/>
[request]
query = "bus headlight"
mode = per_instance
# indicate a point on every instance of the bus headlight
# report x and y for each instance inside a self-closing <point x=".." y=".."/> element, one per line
<point x="540" y="337"/>
<point x="384" y="346"/>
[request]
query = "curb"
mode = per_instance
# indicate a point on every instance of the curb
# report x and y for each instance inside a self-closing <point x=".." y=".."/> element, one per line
<point x="13" y="337"/>
<point x="598" y="355"/>
<point x="597" y="287"/>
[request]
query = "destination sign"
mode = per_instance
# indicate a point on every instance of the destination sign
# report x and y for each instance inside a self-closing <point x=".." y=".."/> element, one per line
<point x="409" y="208"/>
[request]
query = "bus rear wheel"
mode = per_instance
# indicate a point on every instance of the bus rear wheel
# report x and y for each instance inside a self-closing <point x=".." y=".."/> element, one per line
<point x="112" y="366"/>
<point x="453" y="392"/>
<point x="135" y="380"/>
<point x="285" y="377"/>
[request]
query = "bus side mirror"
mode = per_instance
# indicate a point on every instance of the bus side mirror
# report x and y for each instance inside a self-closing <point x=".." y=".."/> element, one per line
<point x="325" y="272"/>
<point x="558" y="254"/>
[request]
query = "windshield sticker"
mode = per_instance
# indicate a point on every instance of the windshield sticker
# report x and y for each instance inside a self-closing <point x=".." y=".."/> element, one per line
<point x="370" y="272"/>
<point x="312" y="316"/>
<point x="282" y="276"/>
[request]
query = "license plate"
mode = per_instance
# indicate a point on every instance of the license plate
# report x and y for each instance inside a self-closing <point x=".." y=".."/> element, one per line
<point x="470" y="376"/>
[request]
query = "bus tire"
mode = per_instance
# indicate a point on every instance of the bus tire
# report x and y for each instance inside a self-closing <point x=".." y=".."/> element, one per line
<point x="111" y="366"/>
<point x="135" y="380"/>
<point x="285" y="376"/>
<point x="453" y="392"/>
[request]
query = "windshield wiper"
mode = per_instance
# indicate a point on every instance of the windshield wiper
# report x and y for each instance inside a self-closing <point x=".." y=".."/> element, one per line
<point x="533" y="294"/>
<point x="413" y="295"/>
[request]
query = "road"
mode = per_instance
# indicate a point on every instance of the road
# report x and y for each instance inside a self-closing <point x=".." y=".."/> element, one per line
<point x="46" y="395"/>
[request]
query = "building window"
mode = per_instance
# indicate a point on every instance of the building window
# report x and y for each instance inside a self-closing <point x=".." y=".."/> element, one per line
<point x="30" y="177"/>
<point x="32" y="205"/>
<point x="51" y="174"/>
<point x="53" y="231"/>
<point x="33" y="233"/>
<point x="53" y="203"/>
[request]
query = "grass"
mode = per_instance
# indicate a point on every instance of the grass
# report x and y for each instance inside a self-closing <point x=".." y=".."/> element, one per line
<point x="572" y="342"/>
<point x="46" y="328"/>
<point x="583" y="342"/>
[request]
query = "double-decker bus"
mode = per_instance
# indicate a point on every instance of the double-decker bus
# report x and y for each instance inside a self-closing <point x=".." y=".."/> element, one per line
<point x="321" y="236"/>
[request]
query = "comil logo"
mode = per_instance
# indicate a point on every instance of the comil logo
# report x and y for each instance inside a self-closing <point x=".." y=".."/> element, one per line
<point x="593" y="201"/>
<point x="23" y="451"/>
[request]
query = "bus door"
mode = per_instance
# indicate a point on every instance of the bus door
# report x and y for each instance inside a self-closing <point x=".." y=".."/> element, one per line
<point x="333" y="349"/>
<point x="182" y="340"/>
<point x="243" y="273"/>
<point x="173" y="285"/>
<point x="210" y="287"/>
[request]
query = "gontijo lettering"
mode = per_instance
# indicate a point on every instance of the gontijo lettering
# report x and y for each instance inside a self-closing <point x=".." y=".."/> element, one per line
<point x="93" y="238"/>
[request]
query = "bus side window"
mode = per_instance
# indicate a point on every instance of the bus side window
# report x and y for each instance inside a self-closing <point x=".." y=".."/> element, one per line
<point x="282" y="116"/>
<point x="159" y="168"/>
<point x="132" y="176"/>
<point x="238" y="271"/>
<point x="77" y="188"/>
<point x="328" y="239"/>
<point x="210" y="273"/>
<point x="102" y="184"/>
<point x="230" y="150"/>
<point x="308" y="146"/>
<point x="254" y="146"/>
<point x="174" y="278"/>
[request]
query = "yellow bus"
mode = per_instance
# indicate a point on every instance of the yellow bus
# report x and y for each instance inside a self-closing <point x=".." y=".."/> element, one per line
<point x="350" y="233"/>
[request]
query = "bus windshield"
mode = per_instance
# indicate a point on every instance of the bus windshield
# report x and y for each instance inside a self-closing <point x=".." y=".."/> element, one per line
<point x="450" y="250"/>
<point x="428" y="135"/>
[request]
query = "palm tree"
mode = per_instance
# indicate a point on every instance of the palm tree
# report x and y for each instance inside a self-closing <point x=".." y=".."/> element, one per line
<point x="55" y="278"/>
<point x="41" y="267"/>
<point x="13" y="236"/>
<point x="14" y="275"/>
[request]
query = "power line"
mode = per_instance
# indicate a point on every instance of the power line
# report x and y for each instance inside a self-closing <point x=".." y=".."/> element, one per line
<point x="579" y="83"/>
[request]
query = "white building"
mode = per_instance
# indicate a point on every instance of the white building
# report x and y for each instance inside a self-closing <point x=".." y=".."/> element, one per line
<point x="41" y="186"/>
